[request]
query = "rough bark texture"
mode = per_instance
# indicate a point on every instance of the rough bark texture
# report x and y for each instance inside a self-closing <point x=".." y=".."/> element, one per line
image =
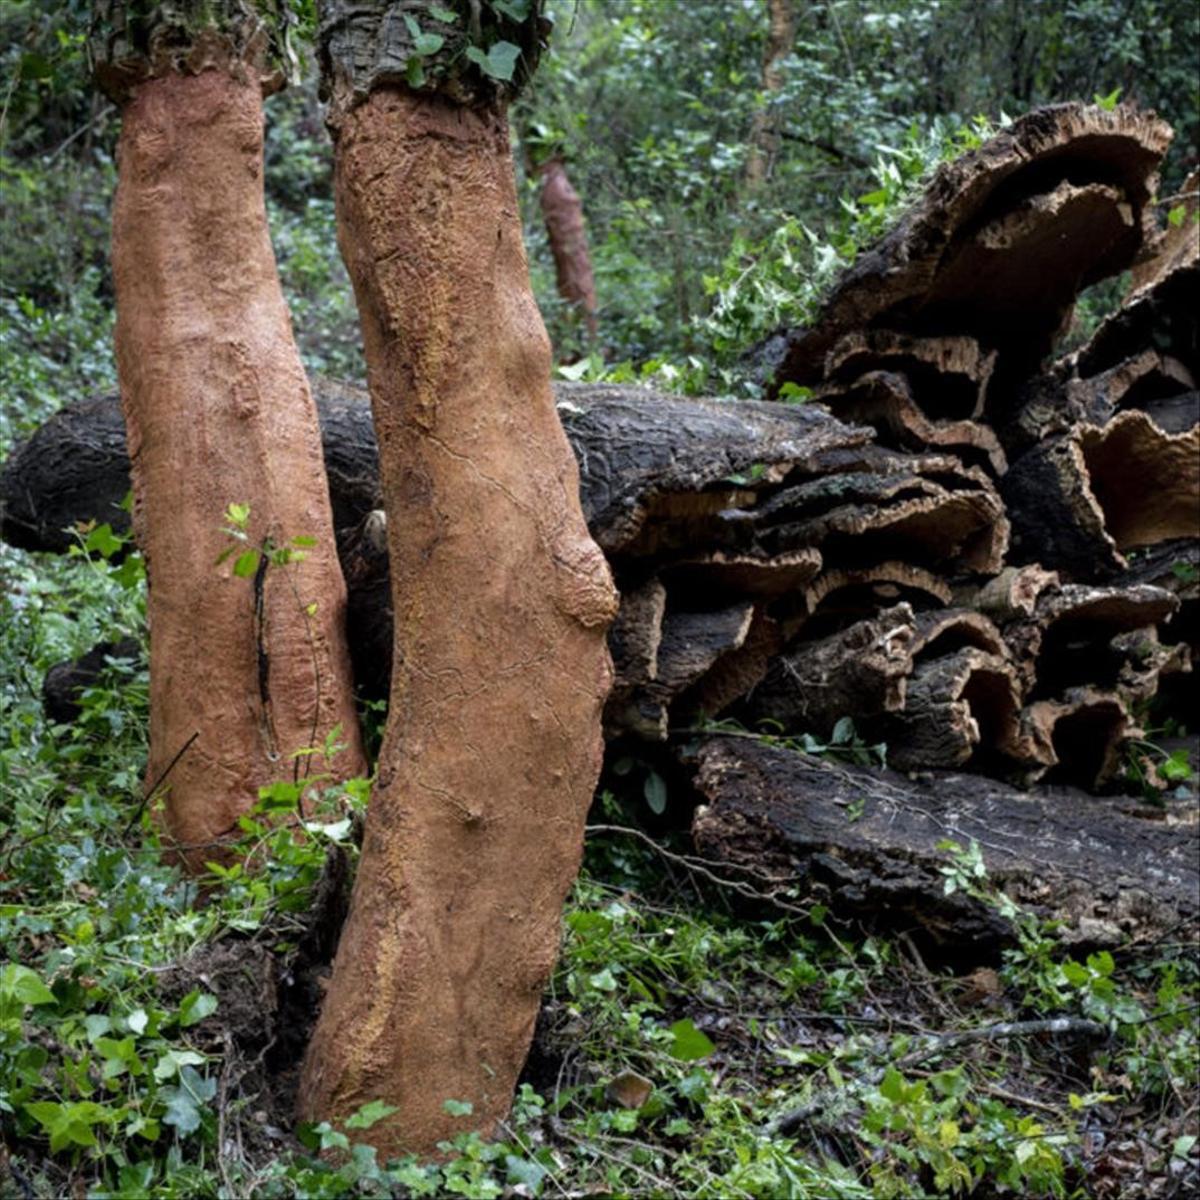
<point x="1105" y="874"/>
<point x="1079" y="501"/>
<point x="501" y="601"/>
<point x="1002" y="241"/>
<point x="859" y="672"/>
<point x="886" y="402"/>
<point x="219" y="411"/>
<point x="959" y="705"/>
<point x="562" y="211"/>
<point x="1178" y="244"/>
<point x="365" y="44"/>
<point x="642" y="456"/>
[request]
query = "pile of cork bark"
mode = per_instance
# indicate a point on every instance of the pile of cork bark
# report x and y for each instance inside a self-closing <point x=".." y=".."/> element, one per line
<point x="986" y="557"/>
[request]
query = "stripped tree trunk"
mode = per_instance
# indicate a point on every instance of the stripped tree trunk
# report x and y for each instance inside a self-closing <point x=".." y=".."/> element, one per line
<point x="562" y="210"/>
<point x="501" y="600"/>
<point x="218" y="412"/>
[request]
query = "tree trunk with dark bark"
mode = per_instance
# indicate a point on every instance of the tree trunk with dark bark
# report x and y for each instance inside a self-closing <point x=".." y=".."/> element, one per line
<point x="218" y="410"/>
<point x="764" y="136"/>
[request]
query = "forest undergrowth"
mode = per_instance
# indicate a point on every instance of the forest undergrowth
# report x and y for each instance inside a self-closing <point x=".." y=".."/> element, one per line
<point x="696" y="1039"/>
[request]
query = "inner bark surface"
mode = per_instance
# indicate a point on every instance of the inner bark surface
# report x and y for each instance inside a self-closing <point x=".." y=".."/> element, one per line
<point x="502" y="600"/>
<point x="218" y="411"/>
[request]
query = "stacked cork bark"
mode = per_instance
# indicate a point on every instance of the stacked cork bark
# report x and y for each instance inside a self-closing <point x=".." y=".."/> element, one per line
<point x="985" y="557"/>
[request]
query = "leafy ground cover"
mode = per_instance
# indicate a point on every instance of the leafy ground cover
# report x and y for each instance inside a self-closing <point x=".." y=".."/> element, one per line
<point x="695" y="1040"/>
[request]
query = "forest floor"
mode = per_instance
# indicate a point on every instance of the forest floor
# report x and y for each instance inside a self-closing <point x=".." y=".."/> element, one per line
<point x="693" y="1042"/>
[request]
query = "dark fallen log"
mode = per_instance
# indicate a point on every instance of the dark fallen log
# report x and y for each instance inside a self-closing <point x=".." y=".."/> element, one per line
<point x="1001" y="242"/>
<point x="654" y="469"/>
<point x="865" y="842"/>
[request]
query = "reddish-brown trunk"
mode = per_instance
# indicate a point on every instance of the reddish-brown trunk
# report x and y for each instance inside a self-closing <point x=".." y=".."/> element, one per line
<point x="218" y="411"/>
<point x="501" y="599"/>
<point x="562" y="210"/>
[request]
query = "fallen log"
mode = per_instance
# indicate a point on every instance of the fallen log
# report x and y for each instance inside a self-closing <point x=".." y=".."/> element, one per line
<point x="654" y="469"/>
<point x="868" y="843"/>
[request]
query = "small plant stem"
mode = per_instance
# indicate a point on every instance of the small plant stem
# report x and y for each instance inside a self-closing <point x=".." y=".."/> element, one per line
<point x="701" y="867"/>
<point x="148" y="795"/>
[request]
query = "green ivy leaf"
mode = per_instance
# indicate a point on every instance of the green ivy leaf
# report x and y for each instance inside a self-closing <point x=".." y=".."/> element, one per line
<point x="499" y="62"/>
<point x="1177" y="767"/>
<point x="525" y="1171"/>
<point x="458" y="1108"/>
<point x="689" y="1043"/>
<point x="195" y="1006"/>
<point x="515" y="10"/>
<point x="892" y="1088"/>
<point x="370" y="1114"/>
<point x="103" y="541"/>
<point x="24" y="986"/>
<point x="246" y="563"/>
<point x="442" y="14"/>
<point x="69" y="1124"/>
<point x="655" y="791"/>
<point x="183" y="1101"/>
<point x="173" y="1061"/>
<point x="424" y="44"/>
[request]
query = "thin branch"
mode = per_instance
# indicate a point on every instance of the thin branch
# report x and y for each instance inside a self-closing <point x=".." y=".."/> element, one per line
<point x="702" y="867"/>
<point x="829" y="148"/>
<point x="149" y="793"/>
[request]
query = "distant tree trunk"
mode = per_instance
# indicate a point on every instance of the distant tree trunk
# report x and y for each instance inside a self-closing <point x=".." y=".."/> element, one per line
<point x="764" y="138"/>
<point x="501" y="598"/>
<point x="218" y="412"/>
<point x="562" y="210"/>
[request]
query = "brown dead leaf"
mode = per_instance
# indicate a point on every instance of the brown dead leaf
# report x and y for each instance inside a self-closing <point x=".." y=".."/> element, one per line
<point x="629" y="1089"/>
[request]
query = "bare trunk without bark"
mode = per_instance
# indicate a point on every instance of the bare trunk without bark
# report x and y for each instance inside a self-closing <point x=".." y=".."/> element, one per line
<point x="218" y="411"/>
<point x="501" y="602"/>
<point x="562" y="210"/>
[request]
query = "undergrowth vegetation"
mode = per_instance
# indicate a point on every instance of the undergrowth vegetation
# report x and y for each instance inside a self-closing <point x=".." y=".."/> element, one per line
<point x="694" y="1041"/>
